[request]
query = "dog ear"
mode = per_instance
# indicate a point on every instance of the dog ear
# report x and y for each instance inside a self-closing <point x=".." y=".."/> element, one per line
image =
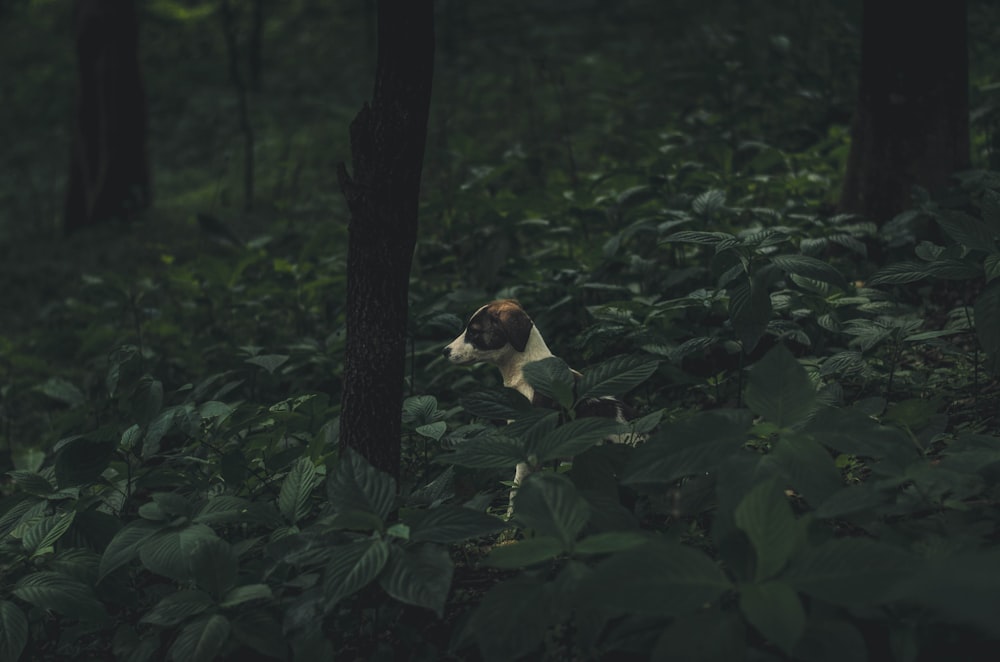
<point x="517" y="327"/>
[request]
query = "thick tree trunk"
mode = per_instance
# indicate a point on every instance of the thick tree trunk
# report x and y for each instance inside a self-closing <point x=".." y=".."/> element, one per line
<point x="911" y="126"/>
<point x="387" y="146"/>
<point x="109" y="172"/>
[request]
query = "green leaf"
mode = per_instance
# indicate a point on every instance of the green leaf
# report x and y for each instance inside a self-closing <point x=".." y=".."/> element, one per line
<point x="357" y="485"/>
<point x="696" y="237"/>
<point x="987" y="317"/>
<point x="202" y="640"/>
<point x="82" y="461"/>
<point x="420" y="410"/>
<point x="42" y="537"/>
<point x="849" y="571"/>
<point x="710" y="635"/>
<point x="962" y="588"/>
<point x="552" y="377"/>
<point x="62" y="391"/>
<point x="445" y="524"/>
<point x="147" y="401"/>
<point x="686" y="448"/>
<point x="301" y="480"/>
<point x="966" y="230"/>
<point x="13" y="631"/>
<point x="487" y="451"/>
<point x="779" y="389"/>
<point x="269" y="362"/>
<point x="167" y="552"/>
<point x="767" y="519"/>
<point x="708" y="203"/>
<point x="523" y="553"/>
<point x="550" y="504"/>
<point x="432" y="430"/>
<point x="810" y="267"/>
<point x="808" y="467"/>
<point x="55" y="591"/>
<point x="500" y="404"/>
<point x="246" y="593"/>
<point x="419" y="575"/>
<point x="776" y="611"/>
<point x="125" y="545"/>
<point x="213" y="565"/>
<point x="511" y="620"/>
<point x="609" y="542"/>
<point x="177" y="607"/>
<point x="659" y="579"/>
<point x="353" y="567"/>
<point x="616" y="376"/>
<point x="574" y="437"/>
<point x="749" y="310"/>
<point x="900" y="273"/>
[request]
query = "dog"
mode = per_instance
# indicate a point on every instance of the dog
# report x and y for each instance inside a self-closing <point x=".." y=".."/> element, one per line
<point x="502" y="333"/>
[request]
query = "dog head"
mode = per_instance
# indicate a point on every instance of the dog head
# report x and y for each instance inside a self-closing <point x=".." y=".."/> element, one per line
<point x="494" y="332"/>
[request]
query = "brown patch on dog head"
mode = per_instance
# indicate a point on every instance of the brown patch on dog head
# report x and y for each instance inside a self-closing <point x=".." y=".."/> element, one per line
<point x="513" y="320"/>
<point x="497" y="324"/>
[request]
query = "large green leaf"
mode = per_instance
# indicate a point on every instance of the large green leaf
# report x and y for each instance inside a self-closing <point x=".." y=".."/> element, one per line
<point x="42" y="537"/>
<point x="526" y="552"/>
<point x="353" y="567"/>
<point x="574" y="437"/>
<point x="898" y="273"/>
<point x="767" y="519"/>
<point x="125" y="545"/>
<point x="660" y="579"/>
<point x="963" y="588"/>
<point x="202" y="640"/>
<point x="357" y="485"/>
<point x="301" y="480"/>
<point x="499" y="404"/>
<point x="60" y="593"/>
<point x="550" y="504"/>
<point x="213" y="566"/>
<point x="13" y="631"/>
<point x="511" y="620"/>
<point x="710" y="635"/>
<point x="774" y="608"/>
<point x="749" y="310"/>
<point x="616" y="376"/>
<point x="987" y="316"/>
<point x="810" y="267"/>
<point x="849" y="571"/>
<point x="808" y="467"/>
<point x="177" y="607"/>
<point x="168" y="552"/>
<point x="446" y="524"/>
<point x="247" y="593"/>
<point x="553" y="378"/>
<point x="689" y="447"/>
<point x="779" y="389"/>
<point x="487" y="451"/>
<point x="419" y="575"/>
<point x="62" y="391"/>
<point x="966" y="230"/>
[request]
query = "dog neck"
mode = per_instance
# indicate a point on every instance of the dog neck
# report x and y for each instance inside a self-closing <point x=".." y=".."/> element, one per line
<point x="512" y="369"/>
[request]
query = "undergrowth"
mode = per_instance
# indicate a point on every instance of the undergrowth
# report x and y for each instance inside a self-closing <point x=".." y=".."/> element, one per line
<point x="819" y="476"/>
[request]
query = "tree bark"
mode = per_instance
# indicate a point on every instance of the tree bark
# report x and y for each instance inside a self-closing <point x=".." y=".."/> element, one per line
<point x="387" y="148"/>
<point x="109" y="170"/>
<point x="911" y="126"/>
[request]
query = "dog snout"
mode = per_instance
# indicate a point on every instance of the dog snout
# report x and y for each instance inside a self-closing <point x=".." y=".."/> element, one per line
<point x="447" y="352"/>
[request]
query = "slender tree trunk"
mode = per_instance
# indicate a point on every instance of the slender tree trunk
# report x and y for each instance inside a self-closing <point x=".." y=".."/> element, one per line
<point x="109" y="170"/>
<point x="911" y="126"/>
<point x="387" y="148"/>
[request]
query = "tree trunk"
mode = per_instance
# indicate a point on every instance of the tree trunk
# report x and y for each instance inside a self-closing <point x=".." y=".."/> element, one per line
<point x="911" y="126"/>
<point x="387" y="148"/>
<point x="109" y="171"/>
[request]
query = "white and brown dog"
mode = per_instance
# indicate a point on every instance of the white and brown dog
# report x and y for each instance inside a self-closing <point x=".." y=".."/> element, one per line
<point x="501" y="333"/>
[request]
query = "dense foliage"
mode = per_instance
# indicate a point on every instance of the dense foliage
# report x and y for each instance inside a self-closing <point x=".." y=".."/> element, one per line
<point x="819" y="479"/>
